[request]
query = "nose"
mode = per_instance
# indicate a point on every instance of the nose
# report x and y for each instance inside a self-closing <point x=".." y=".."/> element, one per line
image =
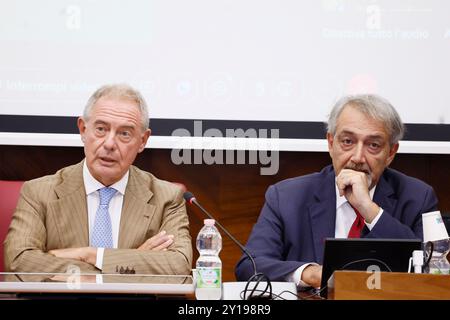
<point x="358" y="155"/>
<point x="110" y="141"/>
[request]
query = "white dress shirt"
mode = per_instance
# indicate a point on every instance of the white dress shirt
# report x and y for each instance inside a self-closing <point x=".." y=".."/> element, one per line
<point x="91" y="185"/>
<point x="345" y="216"/>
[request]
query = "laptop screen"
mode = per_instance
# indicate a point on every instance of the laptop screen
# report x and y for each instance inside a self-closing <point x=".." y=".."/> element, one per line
<point x="390" y="255"/>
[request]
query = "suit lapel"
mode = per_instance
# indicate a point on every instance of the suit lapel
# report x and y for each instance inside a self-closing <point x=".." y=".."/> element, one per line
<point x="323" y="213"/>
<point x="137" y="213"/>
<point x="383" y="196"/>
<point x="69" y="212"/>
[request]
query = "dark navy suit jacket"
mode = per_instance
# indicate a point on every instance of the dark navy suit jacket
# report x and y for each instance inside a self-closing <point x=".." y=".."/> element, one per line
<point x="299" y="213"/>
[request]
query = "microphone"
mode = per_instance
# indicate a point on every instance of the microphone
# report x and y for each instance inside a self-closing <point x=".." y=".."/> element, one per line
<point x="190" y="198"/>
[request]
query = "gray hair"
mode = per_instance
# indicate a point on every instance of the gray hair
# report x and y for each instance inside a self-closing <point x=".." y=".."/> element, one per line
<point x="120" y="91"/>
<point x="374" y="107"/>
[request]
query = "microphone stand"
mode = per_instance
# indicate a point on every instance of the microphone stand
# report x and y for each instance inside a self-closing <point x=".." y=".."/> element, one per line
<point x="257" y="276"/>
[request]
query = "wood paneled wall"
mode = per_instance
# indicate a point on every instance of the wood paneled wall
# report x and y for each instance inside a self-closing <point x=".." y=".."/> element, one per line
<point x="233" y="193"/>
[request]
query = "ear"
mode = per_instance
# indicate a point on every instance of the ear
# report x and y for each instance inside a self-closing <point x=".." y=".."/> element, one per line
<point x="144" y="138"/>
<point x="392" y="152"/>
<point x="82" y="128"/>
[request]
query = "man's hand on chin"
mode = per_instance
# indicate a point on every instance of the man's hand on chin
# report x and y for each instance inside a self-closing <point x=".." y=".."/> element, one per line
<point x="85" y="254"/>
<point x="354" y="185"/>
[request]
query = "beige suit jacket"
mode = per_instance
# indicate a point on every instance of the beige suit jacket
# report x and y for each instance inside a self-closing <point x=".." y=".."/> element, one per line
<point x="52" y="214"/>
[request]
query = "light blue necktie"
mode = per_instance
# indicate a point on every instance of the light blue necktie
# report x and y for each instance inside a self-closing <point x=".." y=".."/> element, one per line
<point x="101" y="236"/>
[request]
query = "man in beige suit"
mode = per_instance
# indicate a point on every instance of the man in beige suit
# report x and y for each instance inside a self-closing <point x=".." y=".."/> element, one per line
<point x="103" y="215"/>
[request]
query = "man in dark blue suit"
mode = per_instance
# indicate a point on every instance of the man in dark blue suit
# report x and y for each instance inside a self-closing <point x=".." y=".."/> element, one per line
<point x="358" y="196"/>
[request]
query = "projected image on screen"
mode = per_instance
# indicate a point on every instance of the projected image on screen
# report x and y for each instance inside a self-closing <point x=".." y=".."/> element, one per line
<point x="225" y="60"/>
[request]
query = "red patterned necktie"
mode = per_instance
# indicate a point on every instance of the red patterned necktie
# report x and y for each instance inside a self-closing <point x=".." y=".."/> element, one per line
<point x="357" y="226"/>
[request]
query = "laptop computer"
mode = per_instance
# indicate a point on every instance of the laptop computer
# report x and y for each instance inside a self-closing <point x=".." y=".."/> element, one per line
<point x="390" y="255"/>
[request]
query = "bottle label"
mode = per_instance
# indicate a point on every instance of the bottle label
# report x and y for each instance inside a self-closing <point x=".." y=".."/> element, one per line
<point x="209" y="277"/>
<point x="438" y="271"/>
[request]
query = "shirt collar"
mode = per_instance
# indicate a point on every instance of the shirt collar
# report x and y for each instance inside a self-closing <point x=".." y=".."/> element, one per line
<point x="341" y="200"/>
<point x="91" y="184"/>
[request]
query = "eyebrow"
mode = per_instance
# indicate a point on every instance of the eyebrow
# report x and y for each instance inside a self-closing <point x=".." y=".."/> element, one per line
<point x="121" y="126"/>
<point x="100" y="122"/>
<point x="132" y="128"/>
<point x="373" y="136"/>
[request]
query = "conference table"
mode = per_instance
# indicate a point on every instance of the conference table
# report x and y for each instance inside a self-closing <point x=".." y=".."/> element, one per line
<point x="135" y="286"/>
<point x="362" y="285"/>
<point x="344" y="285"/>
<point x="138" y="286"/>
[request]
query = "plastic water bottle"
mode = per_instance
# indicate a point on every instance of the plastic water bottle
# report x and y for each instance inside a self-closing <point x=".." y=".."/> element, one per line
<point x="209" y="265"/>
<point x="438" y="263"/>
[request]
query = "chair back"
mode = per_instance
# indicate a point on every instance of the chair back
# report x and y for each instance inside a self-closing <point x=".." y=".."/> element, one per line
<point x="9" y="194"/>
